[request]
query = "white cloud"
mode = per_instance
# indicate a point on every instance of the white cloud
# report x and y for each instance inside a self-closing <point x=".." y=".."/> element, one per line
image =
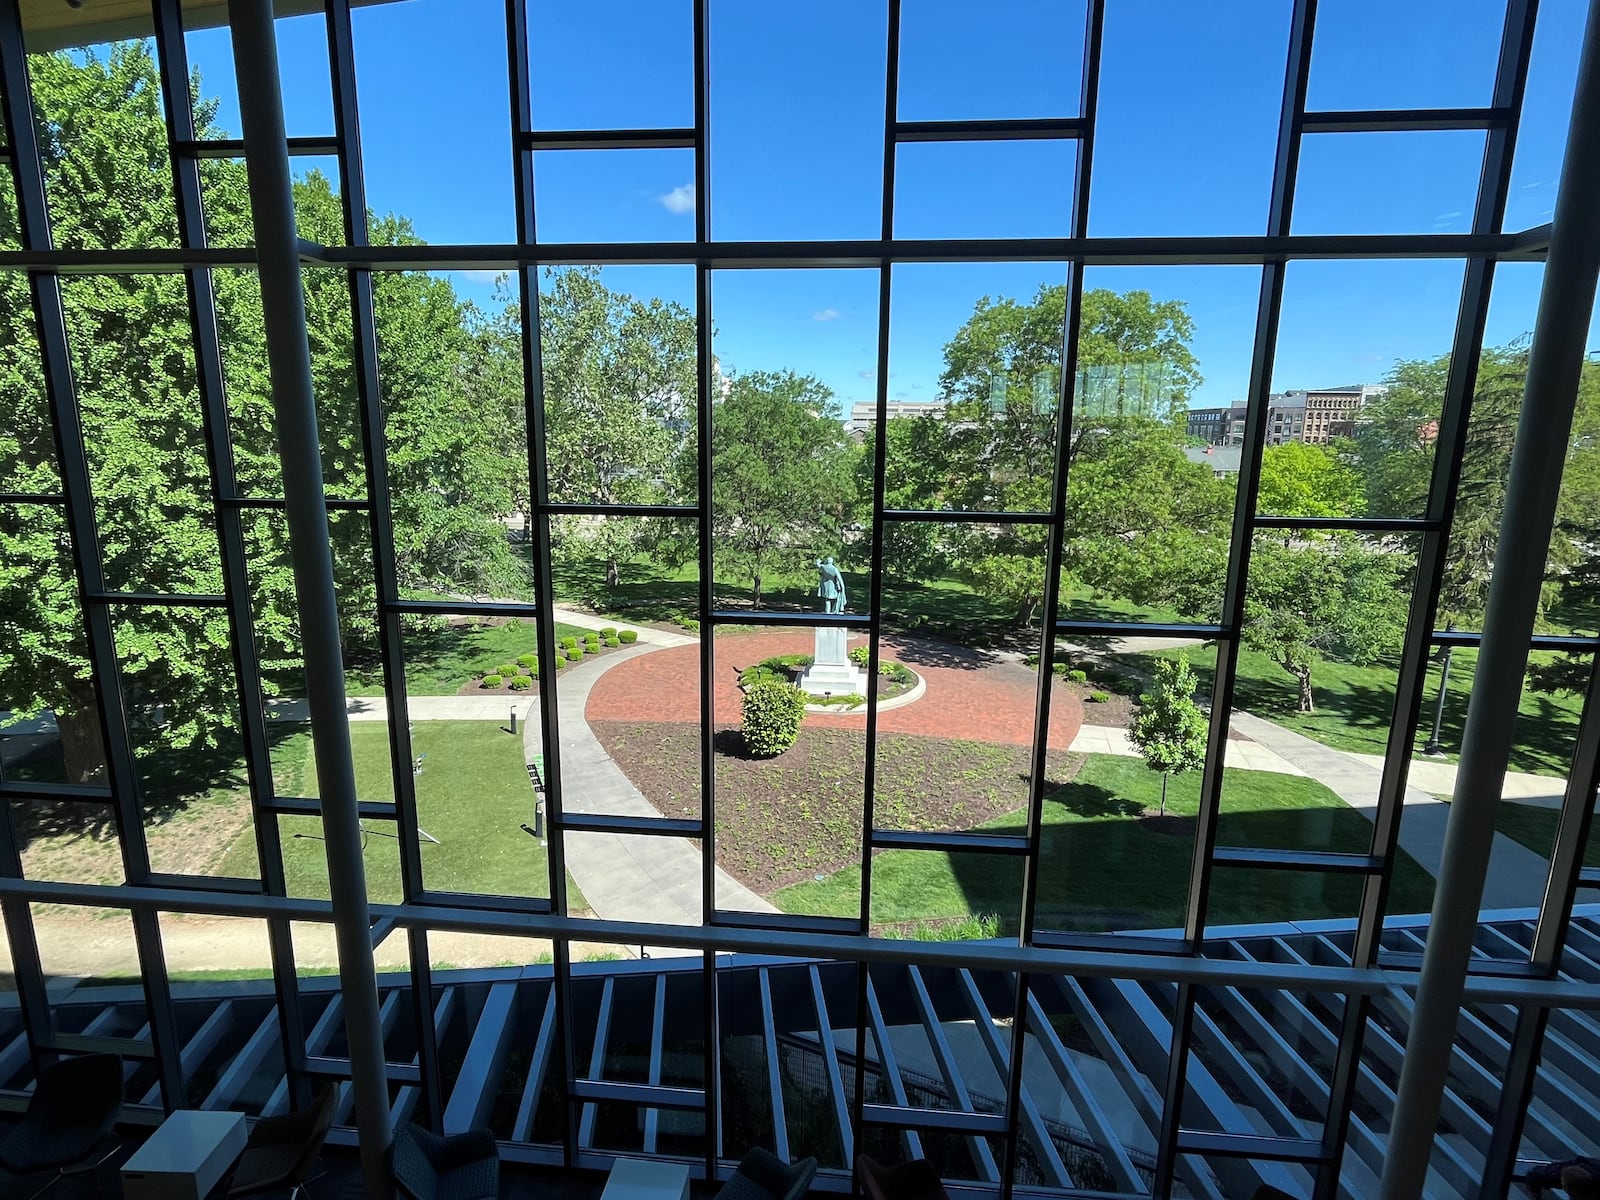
<point x="827" y="314"/>
<point x="679" y="200"/>
<point x="865" y="374"/>
<point x="482" y="276"/>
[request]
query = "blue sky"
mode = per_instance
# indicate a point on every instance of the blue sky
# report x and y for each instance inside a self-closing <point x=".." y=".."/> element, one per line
<point x="1188" y="117"/>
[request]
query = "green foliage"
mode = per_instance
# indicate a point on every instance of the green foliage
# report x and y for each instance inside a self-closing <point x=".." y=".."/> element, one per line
<point x="493" y="679"/>
<point x="1300" y="480"/>
<point x="574" y="652"/>
<point x="1170" y="729"/>
<point x="897" y="673"/>
<point x="783" y="491"/>
<point x="612" y="642"/>
<point x="781" y="667"/>
<point x="1059" y="668"/>
<point x="860" y="655"/>
<point x="608" y="632"/>
<point x="521" y="683"/>
<point x="570" y="642"/>
<point x="772" y="711"/>
<point x="1098" y="697"/>
<point x="690" y="624"/>
<point x="628" y="636"/>
<point x="1078" y="676"/>
<point x="508" y="669"/>
<point x="528" y="660"/>
<point x="842" y="700"/>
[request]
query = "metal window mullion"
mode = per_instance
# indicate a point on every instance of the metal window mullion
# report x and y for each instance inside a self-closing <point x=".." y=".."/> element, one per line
<point x="62" y="398"/>
<point x="520" y="92"/>
<point x="27" y="971"/>
<point x="880" y="459"/>
<point x="210" y="383"/>
<point x="1269" y="309"/>
<point x="1455" y="414"/>
<point x="704" y="392"/>
<point x="380" y="522"/>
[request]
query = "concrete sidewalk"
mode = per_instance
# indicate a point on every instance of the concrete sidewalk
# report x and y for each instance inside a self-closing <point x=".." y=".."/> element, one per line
<point x="624" y="877"/>
<point x="1110" y="739"/>
<point x="420" y="708"/>
<point x="653" y="637"/>
<point x="1439" y="778"/>
<point x="1516" y="875"/>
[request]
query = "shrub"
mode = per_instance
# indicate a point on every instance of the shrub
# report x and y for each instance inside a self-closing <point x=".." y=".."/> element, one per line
<point x="897" y="673"/>
<point x="1098" y="697"/>
<point x="569" y="642"/>
<point x="493" y="679"/>
<point x="772" y="711"/>
<point x="611" y="641"/>
<point x="628" y="637"/>
<point x="528" y="660"/>
<point x="608" y="632"/>
<point x="507" y="669"/>
<point x="843" y="700"/>
<point x="574" y="653"/>
<point x="521" y="683"/>
<point x="860" y="655"/>
<point x="1078" y="676"/>
<point x="1059" y="668"/>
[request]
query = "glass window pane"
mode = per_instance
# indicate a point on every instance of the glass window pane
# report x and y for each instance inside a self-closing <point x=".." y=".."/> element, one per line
<point x="1015" y="59"/>
<point x="643" y="51"/>
<point x="789" y="487"/>
<point x="827" y="181"/>
<point x="27" y="441"/>
<point x="1363" y="57"/>
<point x="1208" y="171"/>
<point x="615" y="195"/>
<point x="786" y="816"/>
<point x="465" y="195"/>
<point x="1356" y="395"/>
<point x="1430" y="182"/>
<point x="974" y="389"/>
<point x="984" y="189"/>
<point x="1546" y="113"/>
<point x="618" y="351"/>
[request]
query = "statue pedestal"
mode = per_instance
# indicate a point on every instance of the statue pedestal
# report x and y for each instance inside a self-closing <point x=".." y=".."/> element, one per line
<point x="832" y="673"/>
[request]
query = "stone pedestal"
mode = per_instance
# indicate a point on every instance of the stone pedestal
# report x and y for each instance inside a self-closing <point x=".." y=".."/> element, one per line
<point x="832" y="672"/>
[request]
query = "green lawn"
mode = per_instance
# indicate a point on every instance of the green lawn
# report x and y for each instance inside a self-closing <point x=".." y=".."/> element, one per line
<point x="1354" y="704"/>
<point x="1535" y="827"/>
<point x="441" y="658"/>
<point x="1102" y="868"/>
<point x="472" y="795"/>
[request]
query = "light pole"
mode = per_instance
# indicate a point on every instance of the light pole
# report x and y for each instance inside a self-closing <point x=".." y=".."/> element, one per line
<point x="1438" y="706"/>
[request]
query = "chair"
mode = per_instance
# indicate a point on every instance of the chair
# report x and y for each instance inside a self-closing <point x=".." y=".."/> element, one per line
<point x="762" y="1175"/>
<point x="428" y="1166"/>
<point x="282" y="1151"/>
<point x="915" y="1180"/>
<point x="71" y="1113"/>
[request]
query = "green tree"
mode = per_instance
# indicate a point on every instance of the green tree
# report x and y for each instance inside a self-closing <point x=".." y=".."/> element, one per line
<point x="1327" y="596"/>
<point x="104" y="149"/>
<point x="1169" y="730"/>
<point x="619" y="395"/>
<point x="782" y="487"/>
<point x="1299" y="480"/>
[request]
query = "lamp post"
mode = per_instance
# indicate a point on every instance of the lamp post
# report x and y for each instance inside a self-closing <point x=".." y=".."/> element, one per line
<point x="1438" y="706"/>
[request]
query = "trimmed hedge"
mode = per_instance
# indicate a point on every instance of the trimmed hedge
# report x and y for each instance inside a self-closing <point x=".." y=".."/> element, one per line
<point x="772" y="712"/>
<point x="574" y="653"/>
<point x="521" y="683"/>
<point x="611" y="642"/>
<point x="509" y="668"/>
<point x="628" y="637"/>
<point x="1098" y="697"/>
<point x="608" y="632"/>
<point x="528" y="660"/>
<point x="493" y="679"/>
<point x="569" y="641"/>
<point x="1078" y="676"/>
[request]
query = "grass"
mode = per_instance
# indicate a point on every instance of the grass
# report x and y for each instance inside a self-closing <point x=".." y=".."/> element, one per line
<point x="1103" y="868"/>
<point x="441" y="659"/>
<point x="1354" y="706"/>
<point x="472" y="795"/>
<point x="1534" y="826"/>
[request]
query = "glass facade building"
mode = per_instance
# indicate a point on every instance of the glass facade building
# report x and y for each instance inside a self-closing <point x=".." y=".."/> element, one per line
<point x="258" y="830"/>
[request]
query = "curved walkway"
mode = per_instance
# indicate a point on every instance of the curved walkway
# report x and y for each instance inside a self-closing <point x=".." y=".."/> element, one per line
<point x="624" y="877"/>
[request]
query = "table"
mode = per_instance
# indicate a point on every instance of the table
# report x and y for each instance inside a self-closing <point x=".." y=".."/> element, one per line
<point x="184" y="1158"/>
<point x="642" y="1179"/>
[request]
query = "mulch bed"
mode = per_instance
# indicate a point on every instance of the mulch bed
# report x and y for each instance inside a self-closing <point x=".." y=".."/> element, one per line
<point x="1117" y="712"/>
<point x="474" y="687"/>
<point x="785" y="820"/>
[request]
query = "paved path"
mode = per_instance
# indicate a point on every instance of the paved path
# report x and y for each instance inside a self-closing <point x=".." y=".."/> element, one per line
<point x="624" y="877"/>
<point x="1439" y="778"/>
<point x="1516" y="875"/>
<point x="1251" y="756"/>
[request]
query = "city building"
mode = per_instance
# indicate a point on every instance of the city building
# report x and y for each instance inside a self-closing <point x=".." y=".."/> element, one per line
<point x="864" y="413"/>
<point x="283" y="828"/>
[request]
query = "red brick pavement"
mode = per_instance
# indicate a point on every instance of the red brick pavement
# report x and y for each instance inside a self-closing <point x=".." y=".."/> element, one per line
<point x="970" y="694"/>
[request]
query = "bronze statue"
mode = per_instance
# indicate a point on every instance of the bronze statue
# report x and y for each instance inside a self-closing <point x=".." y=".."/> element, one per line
<point x="830" y="586"/>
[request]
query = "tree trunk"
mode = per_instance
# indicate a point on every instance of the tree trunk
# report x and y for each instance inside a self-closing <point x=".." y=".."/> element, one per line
<point x="613" y="573"/>
<point x="755" y="588"/>
<point x="1024" y="613"/>
<point x="1163" y="793"/>
<point x="82" y="748"/>
<point x="1307" y="701"/>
